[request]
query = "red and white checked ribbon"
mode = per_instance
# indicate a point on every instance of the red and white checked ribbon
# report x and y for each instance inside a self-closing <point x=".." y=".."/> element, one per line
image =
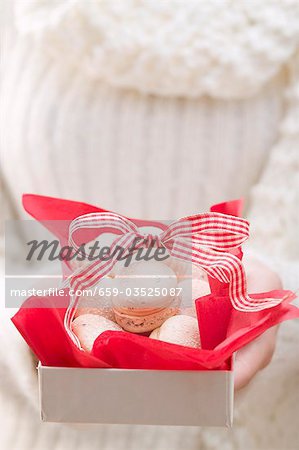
<point x="203" y="239"/>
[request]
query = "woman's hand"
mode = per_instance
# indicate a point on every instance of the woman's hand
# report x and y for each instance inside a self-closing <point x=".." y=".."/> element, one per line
<point x="254" y="357"/>
<point x="257" y="355"/>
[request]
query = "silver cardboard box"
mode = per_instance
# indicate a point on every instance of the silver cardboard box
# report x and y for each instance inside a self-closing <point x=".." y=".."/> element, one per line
<point x="153" y="397"/>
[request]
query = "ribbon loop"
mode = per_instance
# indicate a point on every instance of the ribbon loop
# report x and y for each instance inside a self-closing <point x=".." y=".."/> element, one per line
<point x="203" y="239"/>
<point x="152" y="240"/>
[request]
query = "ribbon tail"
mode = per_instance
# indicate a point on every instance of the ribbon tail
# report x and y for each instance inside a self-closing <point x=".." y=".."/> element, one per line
<point x="225" y="267"/>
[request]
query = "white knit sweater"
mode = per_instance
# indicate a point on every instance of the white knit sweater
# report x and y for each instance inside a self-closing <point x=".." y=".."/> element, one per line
<point x="157" y="109"/>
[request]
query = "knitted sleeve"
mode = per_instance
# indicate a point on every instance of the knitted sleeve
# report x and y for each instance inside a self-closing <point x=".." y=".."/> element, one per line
<point x="273" y="210"/>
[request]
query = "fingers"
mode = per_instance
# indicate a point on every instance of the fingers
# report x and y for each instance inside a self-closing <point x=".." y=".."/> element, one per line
<point x="254" y="357"/>
<point x="258" y="354"/>
<point x="259" y="277"/>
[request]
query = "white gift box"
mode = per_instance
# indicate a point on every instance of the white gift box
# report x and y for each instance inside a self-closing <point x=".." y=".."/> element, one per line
<point x="126" y="396"/>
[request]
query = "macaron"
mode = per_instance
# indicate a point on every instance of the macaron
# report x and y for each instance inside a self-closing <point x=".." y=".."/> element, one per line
<point x="121" y="264"/>
<point x="103" y="240"/>
<point x="191" y="290"/>
<point x="108" y="313"/>
<point x="143" y="320"/>
<point x="147" y="296"/>
<point x="89" y="326"/>
<point x="150" y="283"/>
<point x="185" y="269"/>
<point x="191" y="311"/>
<point x="97" y="304"/>
<point x="180" y="330"/>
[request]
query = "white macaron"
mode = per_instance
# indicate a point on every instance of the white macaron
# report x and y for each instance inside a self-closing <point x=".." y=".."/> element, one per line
<point x="145" y="284"/>
<point x="89" y="326"/>
<point x="181" y="330"/>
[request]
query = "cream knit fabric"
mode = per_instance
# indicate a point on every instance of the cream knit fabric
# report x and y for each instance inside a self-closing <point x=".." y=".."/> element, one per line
<point x="157" y="109"/>
<point x="226" y="49"/>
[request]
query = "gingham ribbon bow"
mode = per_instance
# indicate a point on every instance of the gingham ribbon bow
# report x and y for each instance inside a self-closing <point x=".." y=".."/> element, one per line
<point x="203" y="239"/>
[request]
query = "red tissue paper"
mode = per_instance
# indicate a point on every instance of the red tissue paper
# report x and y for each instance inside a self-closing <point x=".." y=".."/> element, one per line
<point x="223" y="329"/>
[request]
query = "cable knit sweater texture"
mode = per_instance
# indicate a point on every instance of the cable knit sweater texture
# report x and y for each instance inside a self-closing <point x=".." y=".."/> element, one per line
<point x="157" y="109"/>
